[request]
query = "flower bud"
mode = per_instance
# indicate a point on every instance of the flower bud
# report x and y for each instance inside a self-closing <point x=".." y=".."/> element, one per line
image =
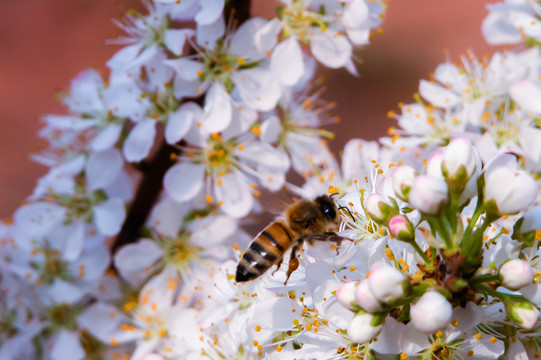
<point x="433" y="164"/>
<point x="431" y="313"/>
<point x="401" y="228"/>
<point x="364" y="327"/>
<point x="507" y="189"/>
<point x="524" y="313"/>
<point x="365" y="298"/>
<point x="346" y="294"/>
<point x="381" y="208"/>
<point x="516" y="274"/>
<point x="428" y="194"/>
<point x="460" y="162"/>
<point x="388" y="283"/>
<point x="403" y="177"/>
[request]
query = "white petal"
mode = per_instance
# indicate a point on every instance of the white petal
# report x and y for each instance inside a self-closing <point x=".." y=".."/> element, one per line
<point x="140" y="141"/>
<point x="94" y="261"/>
<point x="212" y="230"/>
<point x="62" y="291"/>
<point x="270" y="129"/>
<point x="218" y="111"/>
<point x="106" y="138"/>
<point x="265" y="38"/>
<point x="265" y="155"/>
<point x="134" y="260"/>
<point x="37" y="219"/>
<point x="234" y="193"/>
<point x="210" y="11"/>
<point x="67" y="346"/>
<point x="526" y="23"/>
<point x="109" y="216"/>
<point x="184" y="181"/>
<point x="186" y="69"/>
<point x="437" y="95"/>
<point x="258" y="88"/>
<point x="331" y="49"/>
<point x="174" y="39"/>
<point x="167" y="216"/>
<point x="287" y="63"/>
<point x="102" y="320"/>
<point x="73" y="236"/>
<point x="207" y="34"/>
<point x="178" y="124"/>
<point x="103" y="167"/>
<point x="356" y="14"/>
<point x="527" y="95"/>
<point x="497" y="30"/>
<point x="84" y="94"/>
<point x="243" y="42"/>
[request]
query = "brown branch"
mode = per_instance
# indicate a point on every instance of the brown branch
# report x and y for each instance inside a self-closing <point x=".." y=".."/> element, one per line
<point x="150" y="186"/>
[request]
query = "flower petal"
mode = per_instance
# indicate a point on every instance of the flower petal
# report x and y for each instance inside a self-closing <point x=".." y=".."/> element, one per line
<point x="210" y="11"/>
<point x="184" y="181"/>
<point x="103" y="167"/>
<point x="106" y="138"/>
<point x="178" y="124"/>
<point x="287" y="63"/>
<point x="135" y="261"/>
<point x="140" y="140"/>
<point x="331" y="49"/>
<point x="218" y="111"/>
<point x="109" y="216"/>
<point x="234" y="194"/>
<point x="67" y="346"/>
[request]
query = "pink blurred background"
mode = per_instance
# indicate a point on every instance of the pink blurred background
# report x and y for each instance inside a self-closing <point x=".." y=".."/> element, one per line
<point x="43" y="44"/>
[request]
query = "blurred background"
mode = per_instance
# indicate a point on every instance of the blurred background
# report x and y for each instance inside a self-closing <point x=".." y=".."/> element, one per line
<point x="43" y="44"/>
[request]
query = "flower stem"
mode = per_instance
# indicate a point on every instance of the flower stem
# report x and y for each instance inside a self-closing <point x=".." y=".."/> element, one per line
<point x="484" y="278"/>
<point x="420" y="252"/>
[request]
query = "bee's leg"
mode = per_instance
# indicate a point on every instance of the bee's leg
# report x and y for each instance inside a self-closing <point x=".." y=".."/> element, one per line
<point x="328" y="236"/>
<point x="278" y="265"/>
<point x="293" y="261"/>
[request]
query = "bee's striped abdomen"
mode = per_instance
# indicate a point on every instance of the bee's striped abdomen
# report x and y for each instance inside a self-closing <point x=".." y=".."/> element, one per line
<point x="265" y="250"/>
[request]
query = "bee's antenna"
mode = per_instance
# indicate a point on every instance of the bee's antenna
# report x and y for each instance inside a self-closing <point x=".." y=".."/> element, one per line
<point x="334" y="194"/>
<point x="347" y="209"/>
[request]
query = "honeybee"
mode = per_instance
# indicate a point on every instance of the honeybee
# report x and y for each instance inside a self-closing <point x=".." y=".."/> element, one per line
<point x="304" y="220"/>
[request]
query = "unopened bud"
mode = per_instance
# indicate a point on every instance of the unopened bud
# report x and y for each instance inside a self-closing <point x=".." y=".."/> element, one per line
<point x="507" y="189"/>
<point x="364" y="327"/>
<point x="433" y="164"/>
<point x="460" y="162"/>
<point x="403" y="177"/>
<point x="388" y="283"/>
<point x="431" y="313"/>
<point x="401" y="228"/>
<point x="516" y="274"/>
<point x="428" y="194"/>
<point x="524" y="313"/>
<point x="381" y="208"/>
<point x="346" y="294"/>
<point x="366" y="299"/>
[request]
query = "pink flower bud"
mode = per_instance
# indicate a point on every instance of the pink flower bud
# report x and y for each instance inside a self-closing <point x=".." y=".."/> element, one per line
<point x="403" y="177"/>
<point x="365" y="298"/>
<point x="428" y="194"/>
<point x="516" y="274"/>
<point x="381" y="208"/>
<point x="401" y="228"/>
<point x="346" y="294"/>
<point x="387" y="283"/>
<point x="524" y="313"/>
<point x="361" y="329"/>
<point x="507" y="189"/>
<point x="460" y="160"/>
<point x="431" y="313"/>
<point x="433" y="164"/>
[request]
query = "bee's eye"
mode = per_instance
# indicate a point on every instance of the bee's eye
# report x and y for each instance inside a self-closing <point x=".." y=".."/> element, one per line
<point x="329" y="211"/>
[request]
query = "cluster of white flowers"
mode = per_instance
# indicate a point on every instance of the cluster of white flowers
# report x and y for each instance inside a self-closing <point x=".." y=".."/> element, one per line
<point x="444" y="214"/>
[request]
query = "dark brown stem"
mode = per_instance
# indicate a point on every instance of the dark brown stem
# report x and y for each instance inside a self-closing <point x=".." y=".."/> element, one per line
<point x="150" y="186"/>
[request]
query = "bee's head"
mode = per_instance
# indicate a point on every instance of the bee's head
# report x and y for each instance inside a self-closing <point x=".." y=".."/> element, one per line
<point x="328" y="209"/>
